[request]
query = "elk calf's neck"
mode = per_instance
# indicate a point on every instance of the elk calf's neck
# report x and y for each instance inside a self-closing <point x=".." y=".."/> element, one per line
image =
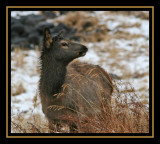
<point x="75" y="86"/>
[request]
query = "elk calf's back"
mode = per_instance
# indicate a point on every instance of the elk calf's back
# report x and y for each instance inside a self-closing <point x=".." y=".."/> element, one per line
<point x="68" y="87"/>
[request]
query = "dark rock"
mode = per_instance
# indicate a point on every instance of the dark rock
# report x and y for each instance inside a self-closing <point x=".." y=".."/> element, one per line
<point x="76" y="38"/>
<point x="33" y="38"/>
<point x="18" y="42"/>
<point x="32" y="19"/>
<point x="68" y="31"/>
<point x="14" y="34"/>
<point x="40" y="27"/>
<point x="59" y="27"/>
<point x="87" y="24"/>
<point x="63" y="12"/>
<point x="29" y="29"/>
<point x="17" y="28"/>
<point x="49" y="14"/>
<point x="14" y="20"/>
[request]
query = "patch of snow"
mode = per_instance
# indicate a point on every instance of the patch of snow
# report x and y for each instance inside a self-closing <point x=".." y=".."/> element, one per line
<point x="25" y="76"/>
<point x="17" y="14"/>
<point x="91" y="56"/>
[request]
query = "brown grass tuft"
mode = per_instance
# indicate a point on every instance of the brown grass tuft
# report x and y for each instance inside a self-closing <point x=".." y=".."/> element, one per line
<point x="87" y="26"/>
<point x="17" y="89"/>
<point x="126" y="115"/>
<point x="19" y="57"/>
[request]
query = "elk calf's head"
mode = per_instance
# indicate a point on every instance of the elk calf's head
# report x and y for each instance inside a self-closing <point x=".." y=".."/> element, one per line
<point x="61" y="48"/>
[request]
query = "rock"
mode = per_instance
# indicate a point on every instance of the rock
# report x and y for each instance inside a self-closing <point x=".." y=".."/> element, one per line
<point x="40" y="27"/>
<point x="87" y="24"/>
<point x="18" y="42"/>
<point x="14" y="20"/>
<point x="29" y="29"/>
<point x="23" y="30"/>
<point x="49" y="14"/>
<point x="33" y="38"/>
<point x="63" y="12"/>
<point x="76" y="38"/>
<point x="32" y="19"/>
<point x="68" y="31"/>
<point x="17" y="28"/>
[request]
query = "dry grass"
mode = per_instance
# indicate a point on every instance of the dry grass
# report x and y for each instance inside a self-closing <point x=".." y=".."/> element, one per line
<point x="17" y="89"/>
<point x="19" y="57"/>
<point x="80" y="20"/>
<point x="139" y="14"/>
<point x="89" y="29"/>
<point x="126" y="115"/>
<point x="87" y="26"/>
<point x="33" y="125"/>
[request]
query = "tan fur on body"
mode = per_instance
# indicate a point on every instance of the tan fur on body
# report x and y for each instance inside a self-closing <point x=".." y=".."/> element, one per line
<point x="85" y="89"/>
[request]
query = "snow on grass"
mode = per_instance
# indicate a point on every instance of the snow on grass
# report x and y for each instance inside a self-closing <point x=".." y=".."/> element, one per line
<point x="119" y="56"/>
<point x="27" y="76"/>
<point x="91" y="56"/>
<point x="118" y="20"/>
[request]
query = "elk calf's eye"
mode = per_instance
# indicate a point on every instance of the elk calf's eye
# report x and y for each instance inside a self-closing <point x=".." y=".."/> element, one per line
<point x="64" y="44"/>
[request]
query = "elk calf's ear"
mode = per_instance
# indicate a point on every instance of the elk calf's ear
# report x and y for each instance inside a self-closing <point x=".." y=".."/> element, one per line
<point x="47" y="38"/>
<point x="59" y="35"/>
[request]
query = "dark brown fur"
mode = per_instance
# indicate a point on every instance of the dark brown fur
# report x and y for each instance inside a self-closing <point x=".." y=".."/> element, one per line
<point x="70" y="88"/>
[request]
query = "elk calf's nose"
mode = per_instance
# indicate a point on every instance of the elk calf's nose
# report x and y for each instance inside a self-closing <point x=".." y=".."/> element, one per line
<point x="85" y="48"/>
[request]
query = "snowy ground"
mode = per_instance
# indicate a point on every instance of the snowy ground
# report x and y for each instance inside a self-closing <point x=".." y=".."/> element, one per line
<point x="127" y="58"/>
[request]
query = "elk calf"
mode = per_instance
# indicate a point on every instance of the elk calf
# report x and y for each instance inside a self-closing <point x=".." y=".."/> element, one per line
<point x="67" y="87"/>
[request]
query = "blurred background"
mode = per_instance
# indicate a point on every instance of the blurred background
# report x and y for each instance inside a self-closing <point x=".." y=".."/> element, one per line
<point x="118" y="41"/>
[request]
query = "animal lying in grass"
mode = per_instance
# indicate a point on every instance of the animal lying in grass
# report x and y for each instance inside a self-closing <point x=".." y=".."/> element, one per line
<point x="67" y="87"/>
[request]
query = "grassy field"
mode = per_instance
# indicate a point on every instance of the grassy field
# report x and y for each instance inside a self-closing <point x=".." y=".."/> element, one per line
<point x="125" y="115"/>
<point x="121" y="46"/>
